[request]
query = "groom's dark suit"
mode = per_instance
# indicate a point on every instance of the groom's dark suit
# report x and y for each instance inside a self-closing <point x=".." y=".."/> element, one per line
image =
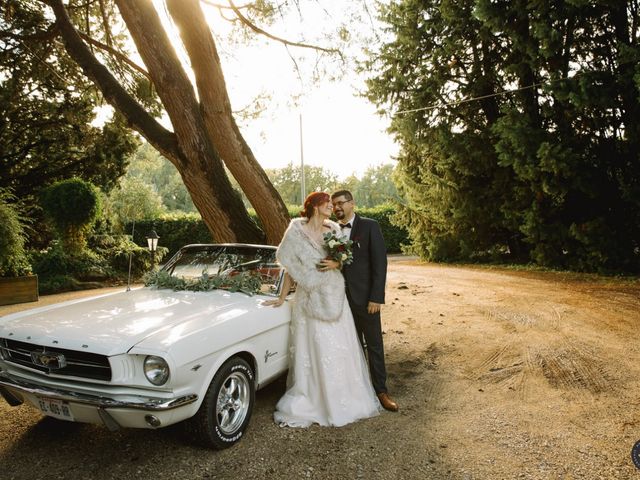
<point x="365" y="280"/>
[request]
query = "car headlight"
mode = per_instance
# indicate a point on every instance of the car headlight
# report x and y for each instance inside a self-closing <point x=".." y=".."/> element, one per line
<point x="156" y="369"/>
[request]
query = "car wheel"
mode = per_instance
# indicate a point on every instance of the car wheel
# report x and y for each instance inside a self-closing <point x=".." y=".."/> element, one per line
<point x="226" y="409"/>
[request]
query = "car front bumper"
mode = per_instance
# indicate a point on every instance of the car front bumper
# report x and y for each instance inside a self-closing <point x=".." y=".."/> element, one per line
<point x="139" y="411"/>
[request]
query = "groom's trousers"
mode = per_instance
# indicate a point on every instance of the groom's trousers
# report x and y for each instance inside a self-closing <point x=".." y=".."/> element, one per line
<point x="369" y="330"/>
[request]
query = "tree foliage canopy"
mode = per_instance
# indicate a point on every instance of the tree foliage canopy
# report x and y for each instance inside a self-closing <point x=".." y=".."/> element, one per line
<point x="159" y="186"/>
<point x="183" y="81"/>
<point x="519" y="127"/>
<point x="134" y="199"/>
<point x="47" y="107"/>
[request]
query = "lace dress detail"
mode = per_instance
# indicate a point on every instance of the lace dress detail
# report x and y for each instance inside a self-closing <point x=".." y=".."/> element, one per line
<point x="328" y="381"/>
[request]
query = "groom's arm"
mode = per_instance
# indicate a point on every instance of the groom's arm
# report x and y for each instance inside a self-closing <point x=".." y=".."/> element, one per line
<point x="377" y="262"/>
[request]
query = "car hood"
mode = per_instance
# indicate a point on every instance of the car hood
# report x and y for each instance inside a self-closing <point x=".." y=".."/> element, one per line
<point x="114" y="323"/>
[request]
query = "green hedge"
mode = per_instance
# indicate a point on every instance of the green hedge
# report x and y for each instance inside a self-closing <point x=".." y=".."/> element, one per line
<point x="176" y="231"/>
<point x="394" y="236"/>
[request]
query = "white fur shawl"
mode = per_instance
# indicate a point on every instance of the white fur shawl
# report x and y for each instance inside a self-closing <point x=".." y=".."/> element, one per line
<point x="319" y="295"/>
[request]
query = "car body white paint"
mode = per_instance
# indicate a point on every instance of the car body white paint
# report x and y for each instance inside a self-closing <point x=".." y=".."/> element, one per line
<point x="195" y="332"/>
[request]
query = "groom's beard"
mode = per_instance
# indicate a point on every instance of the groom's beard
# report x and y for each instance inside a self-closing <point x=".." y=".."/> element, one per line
<point x="339" y="215"/>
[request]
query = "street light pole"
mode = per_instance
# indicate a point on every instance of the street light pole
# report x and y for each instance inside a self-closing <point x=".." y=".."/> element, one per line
<point x="302" y="185"/>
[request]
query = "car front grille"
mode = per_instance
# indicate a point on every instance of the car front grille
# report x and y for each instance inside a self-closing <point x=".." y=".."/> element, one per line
<point x="77" y="364"/>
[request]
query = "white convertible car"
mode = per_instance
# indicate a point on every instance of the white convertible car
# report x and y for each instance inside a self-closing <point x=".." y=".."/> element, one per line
<point x="152" y="357"/>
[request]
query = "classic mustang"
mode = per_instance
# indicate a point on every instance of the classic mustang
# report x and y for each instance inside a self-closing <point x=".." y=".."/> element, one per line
<point x="154" y="356"/>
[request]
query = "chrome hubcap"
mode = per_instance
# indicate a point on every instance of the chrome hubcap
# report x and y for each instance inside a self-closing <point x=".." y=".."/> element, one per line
<point x="233" y="403"/>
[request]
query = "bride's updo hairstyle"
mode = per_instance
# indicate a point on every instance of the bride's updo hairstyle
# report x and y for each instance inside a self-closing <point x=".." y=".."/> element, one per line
<point x="314" y="199"/>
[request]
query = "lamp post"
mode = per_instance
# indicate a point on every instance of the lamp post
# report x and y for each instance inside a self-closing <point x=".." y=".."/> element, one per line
<point x="152" y="243"/>
<point x="303" y="189"/>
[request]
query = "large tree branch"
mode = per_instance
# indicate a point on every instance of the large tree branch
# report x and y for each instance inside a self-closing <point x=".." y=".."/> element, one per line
<point x="223" y="7"/>
<point x="221" y="126"/>
<point x="48" y="34"/>
<point x="245" y="21"/>
<point x="168" y="75"/>
<point x="161" y="138"/>
<point x="204" y="173"/>
<point x="119" y="55"/>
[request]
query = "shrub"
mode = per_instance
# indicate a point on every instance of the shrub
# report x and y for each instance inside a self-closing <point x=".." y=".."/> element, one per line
<point x="116" y="251"/>
<point x="60" y="270"/>
<point x="13" y="257"/>
<point x="106" y="262"/>
<point x="72" y="206"/>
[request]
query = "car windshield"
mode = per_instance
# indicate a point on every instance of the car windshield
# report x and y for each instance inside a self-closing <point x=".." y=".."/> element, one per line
<point x="192" y="262"/>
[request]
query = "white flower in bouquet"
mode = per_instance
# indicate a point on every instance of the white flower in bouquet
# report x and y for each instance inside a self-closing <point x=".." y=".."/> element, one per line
<point x="338" y="248"/>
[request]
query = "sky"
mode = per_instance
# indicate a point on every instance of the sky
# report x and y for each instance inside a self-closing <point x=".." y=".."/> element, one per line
<point x="341" y="130"/>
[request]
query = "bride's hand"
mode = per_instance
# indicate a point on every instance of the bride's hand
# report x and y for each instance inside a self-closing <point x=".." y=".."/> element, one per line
<point x="276" y="302"/>
<point x="328" y="264"/>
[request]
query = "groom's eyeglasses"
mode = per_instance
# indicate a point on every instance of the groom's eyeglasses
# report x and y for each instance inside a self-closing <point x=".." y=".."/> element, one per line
<point x="339" y="204"/>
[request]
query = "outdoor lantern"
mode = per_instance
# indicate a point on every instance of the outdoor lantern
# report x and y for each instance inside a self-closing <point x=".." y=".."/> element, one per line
<point x="152" y="242"/>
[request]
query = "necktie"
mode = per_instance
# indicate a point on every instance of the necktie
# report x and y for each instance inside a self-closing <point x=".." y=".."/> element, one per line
<point x="345" y="225"/>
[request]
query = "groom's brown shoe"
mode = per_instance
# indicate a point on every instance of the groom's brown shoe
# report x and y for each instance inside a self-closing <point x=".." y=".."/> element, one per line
<point x="387" y="403"/>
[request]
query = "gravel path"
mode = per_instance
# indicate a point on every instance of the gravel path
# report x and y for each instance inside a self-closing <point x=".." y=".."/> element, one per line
<point x="499" y="374"/>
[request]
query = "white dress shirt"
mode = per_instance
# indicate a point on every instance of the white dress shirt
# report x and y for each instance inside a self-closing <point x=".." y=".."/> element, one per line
<point x="346" y="232"/>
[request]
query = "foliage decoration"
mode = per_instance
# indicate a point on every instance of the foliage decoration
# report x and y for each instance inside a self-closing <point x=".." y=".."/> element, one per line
<point x="245" y="282"/>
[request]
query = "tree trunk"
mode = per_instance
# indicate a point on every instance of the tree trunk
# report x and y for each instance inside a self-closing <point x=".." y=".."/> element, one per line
<point x="219" y="121"/>
<point x="202" y="170"/>
<point x="190" y="148"/>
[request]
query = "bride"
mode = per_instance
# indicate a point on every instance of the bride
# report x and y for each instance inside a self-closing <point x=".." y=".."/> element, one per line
<point x="328" y="381"/>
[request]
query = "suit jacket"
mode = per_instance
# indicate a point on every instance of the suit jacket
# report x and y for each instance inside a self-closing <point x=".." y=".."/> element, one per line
<point x="365" y="277"/>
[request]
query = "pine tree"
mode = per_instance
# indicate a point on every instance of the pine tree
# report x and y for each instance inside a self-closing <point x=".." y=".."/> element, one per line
<point x="548" y="171"/>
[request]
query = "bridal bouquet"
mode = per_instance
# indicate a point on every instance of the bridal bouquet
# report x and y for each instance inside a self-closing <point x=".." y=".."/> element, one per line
<point x="339" y="249"/>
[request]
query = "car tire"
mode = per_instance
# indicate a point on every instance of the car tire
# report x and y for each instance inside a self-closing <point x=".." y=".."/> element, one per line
<point x="226" y="408"/>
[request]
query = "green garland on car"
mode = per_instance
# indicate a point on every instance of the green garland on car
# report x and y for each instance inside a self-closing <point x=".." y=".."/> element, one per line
<point x="245" y="282"/>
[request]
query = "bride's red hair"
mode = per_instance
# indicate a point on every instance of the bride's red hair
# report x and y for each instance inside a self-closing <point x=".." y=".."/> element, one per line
<point x="314" y="199"/>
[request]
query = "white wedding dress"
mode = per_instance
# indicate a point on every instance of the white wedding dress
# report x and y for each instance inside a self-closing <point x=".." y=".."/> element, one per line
<point x="328" y="381"/>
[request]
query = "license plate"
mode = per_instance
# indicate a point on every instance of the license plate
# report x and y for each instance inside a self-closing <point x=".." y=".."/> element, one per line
<point x="55" y="408"/>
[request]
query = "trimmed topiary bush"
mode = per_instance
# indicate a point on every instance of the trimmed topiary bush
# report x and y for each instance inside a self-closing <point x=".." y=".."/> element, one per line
<point x="72" y="206"/>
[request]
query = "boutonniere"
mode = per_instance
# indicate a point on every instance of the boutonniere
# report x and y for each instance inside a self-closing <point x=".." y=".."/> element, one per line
<point x="356" y="241"/>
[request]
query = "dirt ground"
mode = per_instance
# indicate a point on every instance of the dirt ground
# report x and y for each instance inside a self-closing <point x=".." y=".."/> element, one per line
<point x="499" y="374"/>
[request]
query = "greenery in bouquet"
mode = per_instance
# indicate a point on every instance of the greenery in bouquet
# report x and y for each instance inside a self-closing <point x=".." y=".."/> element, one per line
<point x="338" y="248"/>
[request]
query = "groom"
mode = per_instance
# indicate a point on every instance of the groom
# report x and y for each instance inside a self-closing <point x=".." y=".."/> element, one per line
<point x="365" y="279"/>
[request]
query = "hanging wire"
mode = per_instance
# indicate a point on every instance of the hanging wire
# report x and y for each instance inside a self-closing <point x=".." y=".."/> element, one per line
<point x="473" y="99"/>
